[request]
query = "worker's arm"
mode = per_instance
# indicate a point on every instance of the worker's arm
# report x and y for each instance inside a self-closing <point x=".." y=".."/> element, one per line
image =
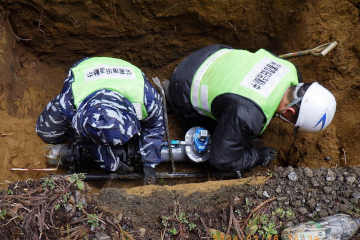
<point x="54" y="122"/>
<point x="238" y="120"/>
<point x="152" y="128"/>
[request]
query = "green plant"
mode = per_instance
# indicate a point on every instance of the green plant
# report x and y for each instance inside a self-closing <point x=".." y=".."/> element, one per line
<point x="78" y="180"/>
<point x="93" y="219"/>
<point x="2" y="214"/>
<point x="280" y="212"/>
<point x="57" y="206"/>
<point x="270" y="229"/>
<point x="162" y="181"/>
<point x="248" y="205"/>
<point x="10" y="192"/>
<point x="66" y="197"/>
<point x="252" y="226"/>
<point x="290" y="213"/>
<point x="48" y="183"/>
<point x="192" y="226"/>
<point x="182" y="218"/>
<point x="80" y="205"/>
<point x="238" y="211"/>
<point x="164" y="220"/>
<point x="173" y="231"/>
<point x="263" y="219"/>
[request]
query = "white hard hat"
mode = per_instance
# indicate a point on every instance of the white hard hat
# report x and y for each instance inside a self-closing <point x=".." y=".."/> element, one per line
<point x="317" y="109"/>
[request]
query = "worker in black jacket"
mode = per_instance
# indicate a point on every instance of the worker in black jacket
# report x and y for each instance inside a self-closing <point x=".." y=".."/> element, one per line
<point x="235" y="93"/>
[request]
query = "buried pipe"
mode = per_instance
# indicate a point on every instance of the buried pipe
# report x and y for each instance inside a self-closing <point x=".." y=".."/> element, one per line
<point x="132" y="176"/>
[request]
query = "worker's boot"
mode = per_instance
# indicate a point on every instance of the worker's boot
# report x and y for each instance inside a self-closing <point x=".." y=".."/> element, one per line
<point x="169" y="104"/>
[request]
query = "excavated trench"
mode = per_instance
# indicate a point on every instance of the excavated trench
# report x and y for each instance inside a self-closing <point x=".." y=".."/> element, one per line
<point x="40" y="40"/>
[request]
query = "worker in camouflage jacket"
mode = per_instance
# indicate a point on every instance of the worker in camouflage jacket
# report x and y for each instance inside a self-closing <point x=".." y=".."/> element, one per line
<point x="103" y="104"/>
<point x="235" y="93"/>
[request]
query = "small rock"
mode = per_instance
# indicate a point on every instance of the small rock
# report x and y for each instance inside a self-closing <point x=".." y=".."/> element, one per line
<point x="259" y="193"/>
<point x="281" y="198"/>
<point x="318" y="207"/>
<point x="296" y="203"/>
<point x="311" y="202"/>
<point x="311" y="215"/>
<point x="355" y="194"/>
<point x="331" y="176"/>
<point x="69" y="208"/>
<point x="103" y="226"/>
<point x="315" y="182"/>
<point x="302" y="210"/>
<point x="350" y="180"/>
<point x="289" y="224"/>
<point x="125" y="227"/>
<point x="102" y="236"/>
<point x="142" y="232"/>
<point x="308" y="172"/>
<point x="347" y="193"/>
<point x="77" y="196"/>
<point x="323" y="213"/>
<point x="237" y="200"/>
<point x="72" y="200"/>
<point x="327" y="190"/>
<point x="265" y="193"/>
<point x="343" y="207"/>
<point x="293" y="176"/>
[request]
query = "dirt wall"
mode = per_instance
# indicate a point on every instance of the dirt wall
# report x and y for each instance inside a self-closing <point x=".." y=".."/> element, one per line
<point x="41" y="39"/>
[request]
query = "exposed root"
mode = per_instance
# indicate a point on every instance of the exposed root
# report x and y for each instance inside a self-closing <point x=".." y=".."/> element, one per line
<point x="36" y="210"/>
<point x="16" y="36"/>
<point x="256" y="209"/>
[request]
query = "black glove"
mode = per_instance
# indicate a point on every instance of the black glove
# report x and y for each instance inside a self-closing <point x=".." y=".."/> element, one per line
<point x="256" y="143"/>
<point x="150" y="176"/>
<point x="266" y="155"/>
<point x="124" y="169"/>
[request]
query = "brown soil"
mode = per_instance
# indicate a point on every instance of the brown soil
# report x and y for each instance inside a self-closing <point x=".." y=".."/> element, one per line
<point x="40" y="40"/>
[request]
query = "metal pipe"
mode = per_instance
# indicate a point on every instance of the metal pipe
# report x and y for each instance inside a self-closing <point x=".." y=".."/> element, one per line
<point x="159" y="175"/>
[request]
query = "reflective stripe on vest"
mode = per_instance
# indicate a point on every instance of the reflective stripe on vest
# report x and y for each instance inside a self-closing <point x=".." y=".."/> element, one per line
<point x="260" y="76"/>
<point x="98" y="73"/>
<point x="195" y="87"/>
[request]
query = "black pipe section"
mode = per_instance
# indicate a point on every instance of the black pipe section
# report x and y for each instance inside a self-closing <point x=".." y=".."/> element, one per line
<point x="159" y="175"/>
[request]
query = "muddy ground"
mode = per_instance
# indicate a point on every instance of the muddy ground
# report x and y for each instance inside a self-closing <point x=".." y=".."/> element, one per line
<point x="40" y="40"/>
